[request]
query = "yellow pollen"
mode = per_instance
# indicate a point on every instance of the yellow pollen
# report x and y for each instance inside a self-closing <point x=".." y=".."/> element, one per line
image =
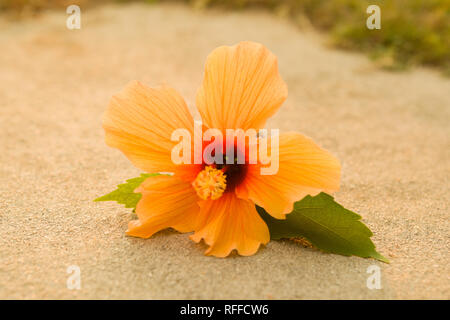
<point x="210" y="183"/>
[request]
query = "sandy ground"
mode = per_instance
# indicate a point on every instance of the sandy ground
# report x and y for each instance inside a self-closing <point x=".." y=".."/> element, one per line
<point x="390" y="131"/>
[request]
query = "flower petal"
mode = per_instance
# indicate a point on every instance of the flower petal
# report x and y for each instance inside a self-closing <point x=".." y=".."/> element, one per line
<point x="140" y="120"/>
<point x="231" y="223"/>
<point x="304" y="169"/>
<point x="167" y="202"/>
<point x="241" y="88"/>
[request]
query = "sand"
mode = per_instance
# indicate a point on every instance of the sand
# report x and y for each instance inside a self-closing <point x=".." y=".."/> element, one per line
<point x="390" y="131"/>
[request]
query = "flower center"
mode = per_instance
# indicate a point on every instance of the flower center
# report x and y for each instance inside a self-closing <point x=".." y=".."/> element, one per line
<point x="210" y="183"/>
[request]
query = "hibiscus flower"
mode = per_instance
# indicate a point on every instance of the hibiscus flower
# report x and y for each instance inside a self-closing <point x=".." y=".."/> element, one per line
<point x="241" y="89"/>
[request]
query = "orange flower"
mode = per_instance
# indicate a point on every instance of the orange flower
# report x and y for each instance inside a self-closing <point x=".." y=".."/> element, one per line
<point x="241" y="89"/>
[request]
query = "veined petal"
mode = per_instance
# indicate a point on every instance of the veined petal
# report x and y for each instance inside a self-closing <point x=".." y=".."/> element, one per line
<point x="140" y="120"/>
<point x="304" y="169"/>
<point x="231" y="223"/>
<point x="241" y="88"/>
<point x="167" y="202"/>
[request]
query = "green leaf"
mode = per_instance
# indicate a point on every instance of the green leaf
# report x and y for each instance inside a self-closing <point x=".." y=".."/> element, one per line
<point x="124" y="194"/>
<point x="327" y="225"/>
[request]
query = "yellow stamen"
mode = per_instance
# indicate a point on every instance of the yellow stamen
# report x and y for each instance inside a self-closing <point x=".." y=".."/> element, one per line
<point x="210" y="183"/>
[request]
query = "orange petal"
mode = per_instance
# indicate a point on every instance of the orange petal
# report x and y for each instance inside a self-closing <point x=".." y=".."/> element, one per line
<point x="304" y="169"/>
<point x="231" y="223"/>
<point x="241" y="87"/>
<point x="140" y="120"/>
<point x="166" y="202"/>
